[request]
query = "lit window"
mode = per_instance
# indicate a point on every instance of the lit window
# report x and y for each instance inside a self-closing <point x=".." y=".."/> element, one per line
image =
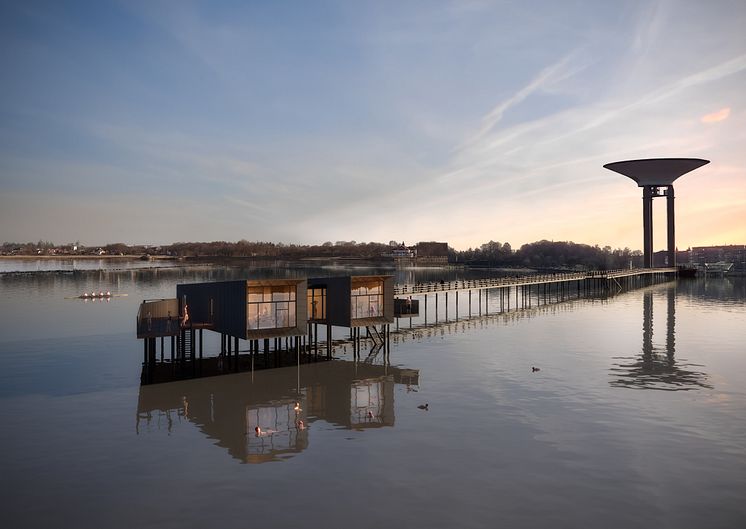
<point x="317" y="304"/>
<point x="367" y="300"/>
<point x="271" y="307"/>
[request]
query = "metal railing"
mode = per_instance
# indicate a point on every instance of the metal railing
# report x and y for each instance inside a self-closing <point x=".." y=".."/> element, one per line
<point x="158" y="317"/>
<point x="476" y="284"/>
<point x="158" y="308"/>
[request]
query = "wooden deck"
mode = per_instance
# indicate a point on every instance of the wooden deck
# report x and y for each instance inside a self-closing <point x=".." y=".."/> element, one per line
<point x="515" y="281"/>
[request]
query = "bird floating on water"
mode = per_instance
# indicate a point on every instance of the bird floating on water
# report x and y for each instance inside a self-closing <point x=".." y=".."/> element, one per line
<point x="534" y="369"/>
<point x="423" y="406"/>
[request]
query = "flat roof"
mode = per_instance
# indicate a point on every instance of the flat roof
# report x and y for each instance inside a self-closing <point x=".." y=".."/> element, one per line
<point x="656" y="171"/>
<point x="249" y="282"/>
<point x="319" y="281"/>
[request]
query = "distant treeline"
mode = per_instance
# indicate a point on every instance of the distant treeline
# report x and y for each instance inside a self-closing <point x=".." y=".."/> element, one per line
<point x="540" y="254"/>
<point x="243" y="248"/>
<point x="549" y="254"/>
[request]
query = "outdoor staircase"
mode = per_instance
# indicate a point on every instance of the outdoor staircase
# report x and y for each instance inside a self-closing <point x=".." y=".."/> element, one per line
<point x="186" y="351"/>
<point x="374" y="335"/>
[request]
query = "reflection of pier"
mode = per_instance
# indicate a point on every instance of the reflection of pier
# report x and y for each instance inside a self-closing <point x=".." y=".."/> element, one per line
<point x="350" y="395"/>
<point x="657" y="368"/>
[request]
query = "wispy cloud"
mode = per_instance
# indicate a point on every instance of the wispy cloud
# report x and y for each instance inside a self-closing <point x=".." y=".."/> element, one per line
<point x="553" y="73"/>
<point x="714" y="117"/>
<point x="651" y="23"/>
<point x="560" y="153"/>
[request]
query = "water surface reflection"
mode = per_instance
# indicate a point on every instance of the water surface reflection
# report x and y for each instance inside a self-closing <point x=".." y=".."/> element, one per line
<point x="657" y="367"/>
<point x="283" y="403"/>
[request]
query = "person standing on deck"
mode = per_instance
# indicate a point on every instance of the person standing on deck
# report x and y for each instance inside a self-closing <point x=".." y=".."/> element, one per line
<point x="185" y="318"/>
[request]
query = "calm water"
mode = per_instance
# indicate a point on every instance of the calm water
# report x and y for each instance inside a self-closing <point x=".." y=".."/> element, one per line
<point x="636" y="419"/>
<point x="71" y="264"/>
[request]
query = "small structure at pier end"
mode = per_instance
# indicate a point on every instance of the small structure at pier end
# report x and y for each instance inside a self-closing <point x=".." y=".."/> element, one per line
<point x="652" y="175"/>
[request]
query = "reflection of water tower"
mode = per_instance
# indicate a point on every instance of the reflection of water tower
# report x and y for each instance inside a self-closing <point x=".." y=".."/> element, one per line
<point x="652" y="175"/>
<point x="651" y="369"/>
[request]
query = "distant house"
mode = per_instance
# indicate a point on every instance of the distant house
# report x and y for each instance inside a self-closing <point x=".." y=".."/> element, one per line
<point x="432" y="252"/>
<point x="402" y="252"/>
<point x="701" y="256"/>
<point x="435" y="253"/>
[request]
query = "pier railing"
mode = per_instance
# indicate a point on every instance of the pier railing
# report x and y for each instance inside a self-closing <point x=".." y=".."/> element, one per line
<point x="158" y="317"/>
<point x="504" y="282"/>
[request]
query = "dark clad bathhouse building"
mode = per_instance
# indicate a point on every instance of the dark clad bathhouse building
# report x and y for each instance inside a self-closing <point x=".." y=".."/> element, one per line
<point x="247" y="309"/>
<point x="351" y="301"/>
<point x="271" y="314"/>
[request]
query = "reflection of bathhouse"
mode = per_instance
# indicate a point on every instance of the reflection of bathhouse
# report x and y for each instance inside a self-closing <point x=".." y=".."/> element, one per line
<point x="273" y="430"/>
<point x="278" y="315"/>
<point x="372" y="403"/>
<point x="345" y="394"/>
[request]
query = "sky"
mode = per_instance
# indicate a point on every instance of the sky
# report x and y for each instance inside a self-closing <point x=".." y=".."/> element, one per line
<point x="304" y="122"/>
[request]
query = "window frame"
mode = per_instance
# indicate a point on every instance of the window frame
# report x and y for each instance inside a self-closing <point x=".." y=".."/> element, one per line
<point x="276" y="305"/>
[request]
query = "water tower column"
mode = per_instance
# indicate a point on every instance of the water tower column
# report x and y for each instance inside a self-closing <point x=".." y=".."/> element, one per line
<point x="671" y="227"/>
<point x="648" y="192"/>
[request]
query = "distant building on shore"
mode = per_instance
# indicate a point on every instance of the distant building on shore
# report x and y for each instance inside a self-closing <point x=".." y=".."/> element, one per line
<point x="660" y="258"/>
<point x="401" y="251"/>
<point x="705" y="256"/>
<point x="730" y="258"/>
<point x="431" y="253"/>
<point x="422" y="253"/>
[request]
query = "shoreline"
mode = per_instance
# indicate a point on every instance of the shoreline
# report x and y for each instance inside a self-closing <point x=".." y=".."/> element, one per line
<point x="87" y="257"/>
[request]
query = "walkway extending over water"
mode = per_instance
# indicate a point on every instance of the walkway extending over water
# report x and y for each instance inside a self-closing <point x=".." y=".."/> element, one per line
<point x="515" y="281"/>
<point x="513" y="294"/>
<point x="523" y="291"/>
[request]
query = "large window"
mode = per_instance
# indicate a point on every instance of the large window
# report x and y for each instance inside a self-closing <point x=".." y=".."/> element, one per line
<point x="367" y="300"/>
<point x="367" y="402"/>
<point x="271" y="307"/>
<point x="317" y="303"/>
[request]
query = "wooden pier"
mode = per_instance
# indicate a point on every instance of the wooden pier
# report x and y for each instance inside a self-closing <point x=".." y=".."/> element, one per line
<point x="514" y="281"/>
<point x="163" y="320"/>
<point x="527" y="291"/>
